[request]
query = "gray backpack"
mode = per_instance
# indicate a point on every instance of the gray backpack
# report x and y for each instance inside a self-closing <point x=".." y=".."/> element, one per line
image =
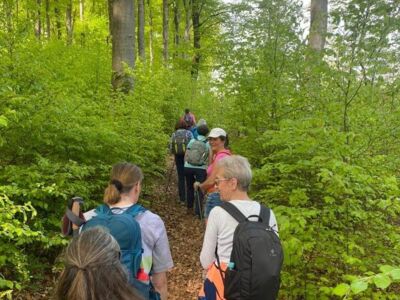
<point x="197" y="154"/>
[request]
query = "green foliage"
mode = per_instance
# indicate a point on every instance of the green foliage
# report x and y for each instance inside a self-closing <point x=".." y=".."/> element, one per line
<point x="62" y="128"/>
<point x="321" y="134"/>
<point x="15" y="232"/>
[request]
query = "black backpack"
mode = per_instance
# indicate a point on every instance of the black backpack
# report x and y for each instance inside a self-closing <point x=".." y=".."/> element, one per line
<point x="256" y="260"/>
<point x="179" y="142"/>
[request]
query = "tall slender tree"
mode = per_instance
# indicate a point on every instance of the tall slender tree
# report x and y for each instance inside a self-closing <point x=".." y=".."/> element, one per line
<point x="123" y="42"/>
<point x="69" y="22"/>
<point x="58" y="18"/>
<point x="318" y="24"/>
<point x="81" y="9"/>
<point x="177" y="20"/>
<point x="48" y="26"/>
<point x="188" y="17"/>
<point x="151" y="37"/>
<point x="38" y="25"/>
<point x="165" y="29"/>
<point x="140" y="31"/>
<point x="196" y="9"/>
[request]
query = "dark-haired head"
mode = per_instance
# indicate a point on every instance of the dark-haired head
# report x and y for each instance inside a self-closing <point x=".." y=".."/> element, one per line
<point x="181" y="124"/>
<point x="203" y="130"/>
<point x="187" y="110"/>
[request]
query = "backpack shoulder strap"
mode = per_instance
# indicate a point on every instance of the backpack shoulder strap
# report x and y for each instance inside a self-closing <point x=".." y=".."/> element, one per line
<point x="135" y="210"/>
<point x="265" y="214"/>
<point x="233" y="211"/>
<point x="103" y="209"/>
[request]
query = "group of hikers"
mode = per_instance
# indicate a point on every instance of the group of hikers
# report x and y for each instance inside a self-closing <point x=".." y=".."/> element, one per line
<point x="120" y="250"/>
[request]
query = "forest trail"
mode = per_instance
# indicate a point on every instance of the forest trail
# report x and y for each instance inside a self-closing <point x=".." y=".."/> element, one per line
<point x="185" y="234"/>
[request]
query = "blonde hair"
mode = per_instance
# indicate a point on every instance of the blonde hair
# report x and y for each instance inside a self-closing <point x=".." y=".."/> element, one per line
<point x="124" y="176"/>
<point x="93" y="270"/>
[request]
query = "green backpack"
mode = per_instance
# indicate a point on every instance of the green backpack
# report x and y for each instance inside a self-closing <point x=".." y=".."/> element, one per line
<point x="197" y="154"/>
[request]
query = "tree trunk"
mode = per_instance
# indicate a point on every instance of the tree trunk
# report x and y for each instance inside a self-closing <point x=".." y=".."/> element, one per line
<point x="110" y="15"/>
<point x="165" y="29"/>
<point x="151" y="38"/>
<point x="123" y="43"/>
<point x="69" y="22"/>
<point x="58" y="19"/>
<point x="38" y="25"/>
<point x="196" y="38"/>
<point x="177" y="19"/>
<point x="48" y="27"/>
<point x="318" y="24"/>
<point x="140" y="32"/>
<point x="186" y="5"/>
<point x="81" y="9"/>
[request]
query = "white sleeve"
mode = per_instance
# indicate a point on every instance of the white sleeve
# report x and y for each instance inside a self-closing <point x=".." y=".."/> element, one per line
<point x="207" y="255"/>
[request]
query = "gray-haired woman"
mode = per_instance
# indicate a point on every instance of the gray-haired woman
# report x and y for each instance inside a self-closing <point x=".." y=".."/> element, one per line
<point x="232" y="180"/>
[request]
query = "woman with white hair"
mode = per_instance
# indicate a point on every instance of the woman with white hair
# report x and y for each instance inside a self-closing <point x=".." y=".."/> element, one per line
<point x="232" y="180"/>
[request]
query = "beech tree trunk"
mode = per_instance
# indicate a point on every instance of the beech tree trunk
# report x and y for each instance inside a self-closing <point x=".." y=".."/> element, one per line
<point x="318" y="24"/>
<point x="123" y="43"/>
<point x="188" y="15"/>
<point x="69" y="22"/>
<point x="151" y="38"/>
<point x="48" y="27"/>
<point x="177" y="19"/>
<point x="58" y="18"/>
<point x="81" y="9"/>
<point x="165" y="29"/>
<point x="140" y="32"/>
<point x="196" y="38"/>
<point x="38" y="25"/>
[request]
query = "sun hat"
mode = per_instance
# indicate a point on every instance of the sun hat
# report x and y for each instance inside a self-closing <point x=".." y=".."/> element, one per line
<point x="217" y="132"/>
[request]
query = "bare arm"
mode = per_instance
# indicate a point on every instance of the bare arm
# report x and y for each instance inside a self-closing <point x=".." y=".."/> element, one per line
<point x="210" y="181"/>
<point x="159" y="281"/>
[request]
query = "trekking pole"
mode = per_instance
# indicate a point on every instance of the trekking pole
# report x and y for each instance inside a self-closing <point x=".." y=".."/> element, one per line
<point x="199" y="203"/>
<point x="169" y="175"/>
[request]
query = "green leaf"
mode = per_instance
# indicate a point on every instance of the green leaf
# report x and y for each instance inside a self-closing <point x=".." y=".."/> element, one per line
<point x="341" y="289"/>
<point x="385" y="268"/>
<point x="359" y="286"/>
<point x="3" y="121"/>
<point x="395" y="274"/>
<point x="382" y="281"/>
<point x="6" y="284"/>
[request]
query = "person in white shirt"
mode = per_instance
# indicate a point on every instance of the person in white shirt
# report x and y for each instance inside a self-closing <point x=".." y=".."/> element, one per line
<point x="232" y="180"/>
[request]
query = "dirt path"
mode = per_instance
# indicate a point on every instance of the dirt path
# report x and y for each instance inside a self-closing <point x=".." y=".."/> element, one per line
<point x="185" y="233"/>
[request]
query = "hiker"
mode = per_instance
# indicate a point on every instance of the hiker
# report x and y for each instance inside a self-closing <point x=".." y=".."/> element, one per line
<point x="232" y="179"/>
<point x="219" y="142"/>
<point x="189" y="118"/>
<point x="195" y="129"/>
<point x="93" y="269"/>
<point x="196" y="160"/>
<point x="121" y="198"/>
<point x="177" y="145"/>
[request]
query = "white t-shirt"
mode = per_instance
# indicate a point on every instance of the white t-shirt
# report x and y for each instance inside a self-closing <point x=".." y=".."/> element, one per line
<point x="220" y="228"/>
<point x="156" y="252"/>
